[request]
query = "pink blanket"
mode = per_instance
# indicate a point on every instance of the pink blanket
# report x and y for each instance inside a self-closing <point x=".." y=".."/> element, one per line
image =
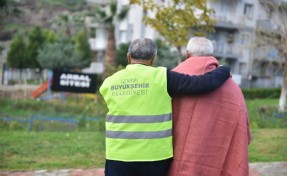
<point x="211" y="131"/>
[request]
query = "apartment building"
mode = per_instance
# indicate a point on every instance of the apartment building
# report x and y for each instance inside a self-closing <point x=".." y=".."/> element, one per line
<point x="237" y="40"/>
<point x="234" y="36"/>
<point x="266" y="67"/>
<point x="234" y="39"/>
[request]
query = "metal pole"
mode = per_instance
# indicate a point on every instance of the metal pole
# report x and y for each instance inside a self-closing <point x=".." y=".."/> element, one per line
<point x="3" y="73"/>
<point x="31" y="122"/>
<point x="50" y="77"/>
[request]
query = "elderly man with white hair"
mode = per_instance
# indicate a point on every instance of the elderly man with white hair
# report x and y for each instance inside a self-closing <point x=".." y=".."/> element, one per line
<point x="211" y="131"/>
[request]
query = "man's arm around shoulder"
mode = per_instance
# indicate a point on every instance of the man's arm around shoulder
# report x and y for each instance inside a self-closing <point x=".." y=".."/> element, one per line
<point x="178" y="83"/>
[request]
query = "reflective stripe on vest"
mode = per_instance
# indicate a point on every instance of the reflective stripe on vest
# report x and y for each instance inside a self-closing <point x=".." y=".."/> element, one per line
<point x="139" y="119"/>
<point x="138" y="135"/>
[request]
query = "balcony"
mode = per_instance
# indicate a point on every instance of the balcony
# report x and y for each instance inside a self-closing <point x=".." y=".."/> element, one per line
<point x="223" y="22"/>
<point x="283" y="2"/>
<point x="266" y="25"/>
<point x="264" y="54"/>
<point x="225" y="50"/>
<point x="263" y="69"/>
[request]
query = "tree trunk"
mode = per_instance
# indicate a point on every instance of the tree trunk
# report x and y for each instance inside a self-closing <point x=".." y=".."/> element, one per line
<point x="282" y="99"/>
<point x="21" y="77"/>
<point x="179" y="56"/>
<point x="111" y="48"/>
<point x="111" y="53"/>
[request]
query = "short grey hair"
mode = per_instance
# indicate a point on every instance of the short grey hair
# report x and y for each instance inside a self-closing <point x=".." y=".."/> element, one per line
<point x="143" y="48"/>
<point x="200" y="46"/>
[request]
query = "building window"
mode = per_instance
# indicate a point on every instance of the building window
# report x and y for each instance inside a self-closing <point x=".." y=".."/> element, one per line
<point x="93" y="32"/>
<point x="248" y="10"/>
<point x="123" y="36"/>
<point x="230" y="37"/>
<point x="263" y="68"/>
<point x="245" y="39"/>
<point x="224" y="7"/>
<point x="242" y="68"/>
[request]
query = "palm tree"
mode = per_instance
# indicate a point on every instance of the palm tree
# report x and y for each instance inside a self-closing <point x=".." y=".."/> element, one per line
<point x="109" y="17"/>
<point x="63" y="23"/>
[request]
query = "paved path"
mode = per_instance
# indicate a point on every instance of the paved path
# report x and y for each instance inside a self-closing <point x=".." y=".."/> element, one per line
<point x="64" y="172"/>
<point x="268" y="169"/>
<point x="256" y="169"/>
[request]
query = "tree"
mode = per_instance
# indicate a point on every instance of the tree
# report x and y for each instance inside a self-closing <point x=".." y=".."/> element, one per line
<point x="36" y="40"/>
<point x="83" y="48"/>
<point x="277" y="36"/>
<point x="16" y="57"/>
<point x="61" y="55"/>
<point x="122" y="54"/>
<point x="50" y="36"/>
<point x="165" y="57"/>
<point x="108" y="17"/>
<point x="176" y="20"/>
<point x="68" y="23"/>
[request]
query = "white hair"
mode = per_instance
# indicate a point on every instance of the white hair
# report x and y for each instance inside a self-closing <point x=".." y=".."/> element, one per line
<point x="200" y="46"/>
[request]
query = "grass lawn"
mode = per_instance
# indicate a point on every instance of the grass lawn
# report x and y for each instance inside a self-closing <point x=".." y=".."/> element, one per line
<point x="54" y="150"/>
<point x="23" y="150"/>
<point x="268" y="145"/>
<point x="51" y="150"/>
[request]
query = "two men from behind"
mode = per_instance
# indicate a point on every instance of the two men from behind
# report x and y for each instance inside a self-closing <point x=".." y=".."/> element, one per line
<point x="211" y="131"/>
<point x="139" y="124"/>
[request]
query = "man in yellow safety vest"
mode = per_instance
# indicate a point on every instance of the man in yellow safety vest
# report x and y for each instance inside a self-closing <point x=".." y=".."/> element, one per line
<point x="139" y="123"/>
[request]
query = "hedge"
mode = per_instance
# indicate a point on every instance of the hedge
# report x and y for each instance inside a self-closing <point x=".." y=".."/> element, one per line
<point x="261" y="93"/>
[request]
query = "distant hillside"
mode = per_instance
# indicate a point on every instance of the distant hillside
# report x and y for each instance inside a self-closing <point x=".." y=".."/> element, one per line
<point x="73" y="5"/>
<point x="37" y="12"/>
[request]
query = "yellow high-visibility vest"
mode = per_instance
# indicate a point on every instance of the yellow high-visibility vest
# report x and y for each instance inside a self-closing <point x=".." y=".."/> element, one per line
<point x="138" y="124"/>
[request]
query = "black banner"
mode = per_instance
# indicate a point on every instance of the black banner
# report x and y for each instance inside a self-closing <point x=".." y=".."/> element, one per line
<point x="74" y="82"/>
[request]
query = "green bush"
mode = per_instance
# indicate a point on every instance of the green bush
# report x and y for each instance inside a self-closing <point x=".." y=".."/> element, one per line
<point x="261" y="93"/>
